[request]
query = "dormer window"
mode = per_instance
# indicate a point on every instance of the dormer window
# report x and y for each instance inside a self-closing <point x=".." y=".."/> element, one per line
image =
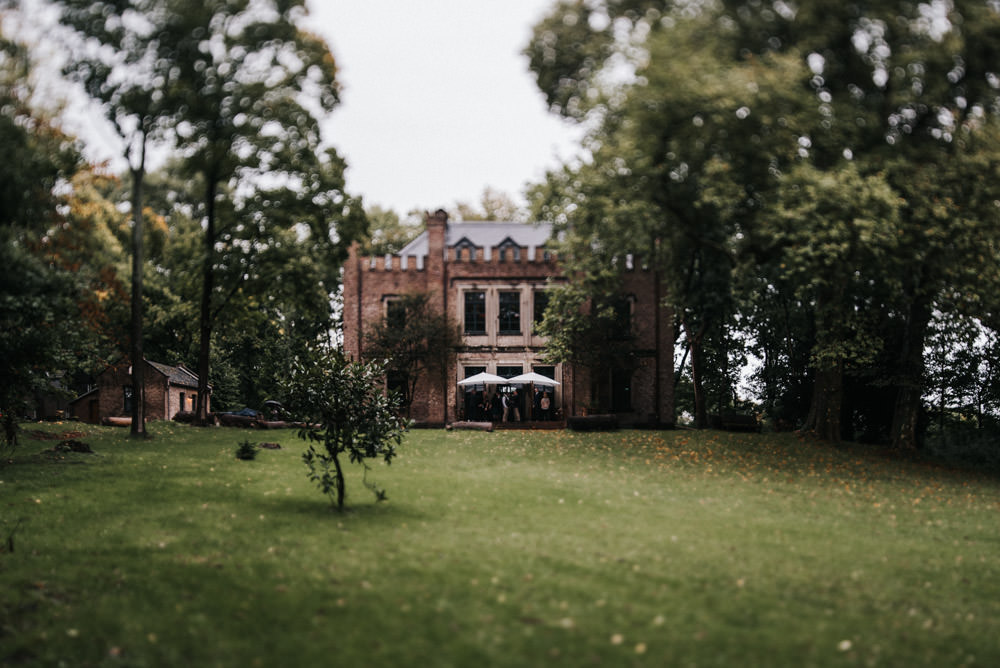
<point x="465" y="246"/>
<point x="509" y="250"/>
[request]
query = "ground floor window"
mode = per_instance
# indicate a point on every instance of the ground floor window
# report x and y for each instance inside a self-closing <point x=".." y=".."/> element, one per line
<point x="396" y="381"/>
<point x="512" y="396"/>
<point x="473" y="396"/>
<point x="621" y="391"/>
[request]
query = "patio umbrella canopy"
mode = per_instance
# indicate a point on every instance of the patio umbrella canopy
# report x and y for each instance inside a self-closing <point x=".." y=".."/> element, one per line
<point x="532" y="377"/>
<point x="483" y="378"/>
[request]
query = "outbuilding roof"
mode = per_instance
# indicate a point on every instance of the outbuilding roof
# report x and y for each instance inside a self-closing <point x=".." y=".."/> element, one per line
<point x="177" y="375"/>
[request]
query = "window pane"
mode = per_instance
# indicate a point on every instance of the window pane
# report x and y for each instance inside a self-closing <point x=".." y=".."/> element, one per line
<point x="395" y="314"/>
<point x="621" y="391"/>
<point x="623" y="318"/>
<point x="475" y="312"/>
<point x="547" y="371"/>
<point x="541" y="303"/>
<point x="510" y="312"/>
<point x="397" y="381"/>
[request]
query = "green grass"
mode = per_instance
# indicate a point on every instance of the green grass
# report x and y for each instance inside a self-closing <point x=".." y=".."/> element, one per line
<point x="496" y="549"/>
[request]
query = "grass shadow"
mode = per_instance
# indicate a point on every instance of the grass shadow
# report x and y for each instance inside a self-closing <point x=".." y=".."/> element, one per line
<point x="318" y="508"/>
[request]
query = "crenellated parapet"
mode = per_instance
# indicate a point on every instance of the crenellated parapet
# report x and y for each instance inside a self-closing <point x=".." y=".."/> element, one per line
<point x="394" y="262"/>
<point x="495" y="256"/>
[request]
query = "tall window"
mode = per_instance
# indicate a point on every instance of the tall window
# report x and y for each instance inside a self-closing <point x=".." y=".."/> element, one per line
<point x="472" y="395"/>
<point x="510" y="312"/>
<point x="541" y="303"/>
<point x="475" y="312"/>
<point x="127" y="399"/>
<point x="623" y="318"/>
<point x="397" y="381"/>
<point x="621" y="391"/>
<point x="395" y="313"/>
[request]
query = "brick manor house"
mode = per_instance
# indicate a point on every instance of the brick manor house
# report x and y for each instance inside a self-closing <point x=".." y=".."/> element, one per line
<point x="491" y="279"/>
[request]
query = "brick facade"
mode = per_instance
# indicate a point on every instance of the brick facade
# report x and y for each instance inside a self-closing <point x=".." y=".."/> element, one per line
<point x="500" y="268"/>
<point x="168" y="391"/>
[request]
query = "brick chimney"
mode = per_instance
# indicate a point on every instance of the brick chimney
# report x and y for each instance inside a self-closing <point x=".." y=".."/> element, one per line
<point x="437" y="234"/>
<point x="353" y="284"/>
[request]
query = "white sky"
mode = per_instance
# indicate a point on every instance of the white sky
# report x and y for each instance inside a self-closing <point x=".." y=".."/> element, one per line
<point x="437" y="101"/>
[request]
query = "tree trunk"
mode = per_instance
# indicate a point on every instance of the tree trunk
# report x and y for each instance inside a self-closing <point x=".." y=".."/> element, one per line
<point x="207" y="287"/>
<point x="697" y="368"/>
<point x="910" y="384"/>
<point x="697" y="385"/>
<point x="827" y="400"/>
<point x="340" y="483"/>
<point x="138" y="428"/>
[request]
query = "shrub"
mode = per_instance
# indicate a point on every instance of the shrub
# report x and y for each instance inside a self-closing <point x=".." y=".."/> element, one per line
<point x="246" y="450"/>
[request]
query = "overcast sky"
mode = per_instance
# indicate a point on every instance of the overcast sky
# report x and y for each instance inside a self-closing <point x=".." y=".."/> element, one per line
<point x="437" y="100"/>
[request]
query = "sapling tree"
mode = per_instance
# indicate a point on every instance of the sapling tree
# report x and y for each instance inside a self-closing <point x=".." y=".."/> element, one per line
<point x="345" y="412"/>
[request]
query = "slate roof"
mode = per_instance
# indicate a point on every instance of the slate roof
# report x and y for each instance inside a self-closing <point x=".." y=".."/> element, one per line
<point x="178" y="375"/>
<point x="486" y="235"/>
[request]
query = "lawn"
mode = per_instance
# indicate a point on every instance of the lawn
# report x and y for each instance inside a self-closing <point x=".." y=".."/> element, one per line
<point x="495" y="549"/>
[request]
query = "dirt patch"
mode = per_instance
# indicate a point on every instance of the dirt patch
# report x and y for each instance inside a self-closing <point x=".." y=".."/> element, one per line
<point x="72" y="445"/>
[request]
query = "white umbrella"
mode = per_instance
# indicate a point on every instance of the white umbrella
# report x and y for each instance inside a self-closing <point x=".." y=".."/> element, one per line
<point x="532" y="377"/>
<point x="483" y="378"/>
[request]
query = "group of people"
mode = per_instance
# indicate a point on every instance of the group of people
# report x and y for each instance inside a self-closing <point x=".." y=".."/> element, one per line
<point x="508" y="406"/>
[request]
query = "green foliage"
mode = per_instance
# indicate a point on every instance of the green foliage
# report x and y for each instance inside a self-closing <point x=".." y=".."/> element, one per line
<point x="50" y="297"/>
<point x="583" y="325"/>
<point x="413" y="340"/>
<point x="346" y="412"/>
<point x="387" y="233"/>
<point x="811" y="181"/>
<point x="272" y="222"/>
<point x="825" y="233"/>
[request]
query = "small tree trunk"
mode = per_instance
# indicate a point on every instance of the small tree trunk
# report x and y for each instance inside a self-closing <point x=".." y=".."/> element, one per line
<point x="340" y="483"/>
<point x="9" y="427"/>
<point x="207" y="287"/>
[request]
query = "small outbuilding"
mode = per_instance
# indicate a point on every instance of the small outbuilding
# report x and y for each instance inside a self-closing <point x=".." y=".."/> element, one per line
<point x="168" y="390"/>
